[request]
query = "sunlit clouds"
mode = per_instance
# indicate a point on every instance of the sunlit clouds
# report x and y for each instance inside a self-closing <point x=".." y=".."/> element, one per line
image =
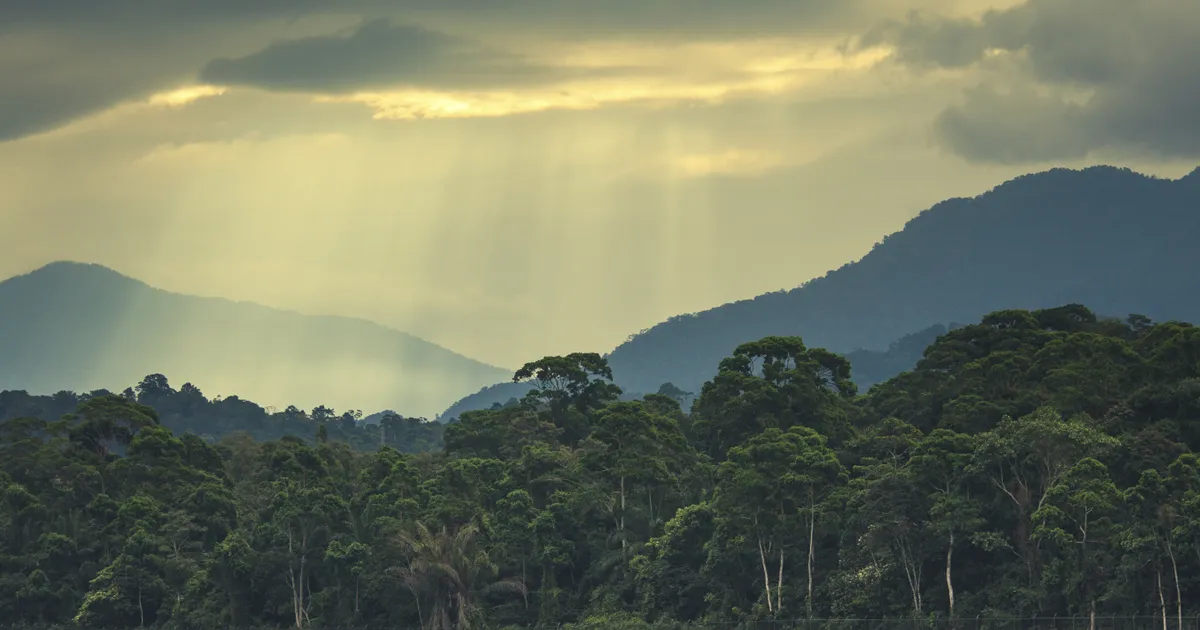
<point x="185" y="95"/>
<point x="765" y="75"/>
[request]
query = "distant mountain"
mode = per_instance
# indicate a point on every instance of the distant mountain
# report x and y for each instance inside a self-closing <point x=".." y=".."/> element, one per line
<point x="499" y="394"/>
<point x="1110" y="238"/>
<point x="869" y="367"/>
<point x="510" y="393"/>
<point x="82" y="327"/>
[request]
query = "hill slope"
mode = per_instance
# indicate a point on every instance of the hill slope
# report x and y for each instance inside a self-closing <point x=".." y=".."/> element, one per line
<point x="81" y="327"/>
<point x="1111" y="238"/>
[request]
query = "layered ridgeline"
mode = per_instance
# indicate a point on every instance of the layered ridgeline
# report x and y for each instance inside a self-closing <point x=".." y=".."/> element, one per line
<point x="870" y="367"/>
<point x="1110" y="238"/>
<point x="70" y="326"/>
<point x="1035" y="464"/>
<point x="187" y="410"/>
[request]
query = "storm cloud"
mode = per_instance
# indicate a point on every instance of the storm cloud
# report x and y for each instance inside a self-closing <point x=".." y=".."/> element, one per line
<point x="1062" y="79"/>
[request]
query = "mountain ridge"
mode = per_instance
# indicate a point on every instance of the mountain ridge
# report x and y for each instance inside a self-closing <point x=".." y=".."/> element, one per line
<point x="102" y="269"/>
<point x="133" y="318"/>
<point x="840" y="310"/>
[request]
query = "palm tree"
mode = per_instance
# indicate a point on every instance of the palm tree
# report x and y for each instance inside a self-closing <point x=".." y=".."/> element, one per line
<point x="447" y="574"/>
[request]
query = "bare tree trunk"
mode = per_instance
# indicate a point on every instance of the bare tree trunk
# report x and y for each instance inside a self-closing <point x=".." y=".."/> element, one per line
<point x="1178" y="596"/>
<point x="293" y="583"/>
<point x="779" y="584"/>
<point x="949" y="581"/>
<point x="914" y="583"/>
<point x="141" y="609"/>
<point x="766" y="576"/>
<point x="622" y="525"/>
<point x="302" y="614"/>
<point x="1092" y="616"/>
<point x="812" y="523"/>
<point x="1162" y="601"/>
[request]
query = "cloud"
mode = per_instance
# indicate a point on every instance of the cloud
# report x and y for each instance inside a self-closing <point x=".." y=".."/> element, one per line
<point x="61" y="60"/>
<point x="1063" y="79"/>
<point x="658" y="17"/>
<point x="377" y="54"/>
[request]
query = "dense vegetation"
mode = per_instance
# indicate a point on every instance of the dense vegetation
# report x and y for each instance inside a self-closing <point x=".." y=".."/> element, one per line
<point x="187" y="410"/>
<point x="1036" y="463"/>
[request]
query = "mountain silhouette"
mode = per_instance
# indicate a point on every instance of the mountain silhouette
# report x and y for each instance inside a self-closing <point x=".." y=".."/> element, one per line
<point x="1113" y="239"/>
<point x="83" y="326"/>
<point x="869" y="367"/>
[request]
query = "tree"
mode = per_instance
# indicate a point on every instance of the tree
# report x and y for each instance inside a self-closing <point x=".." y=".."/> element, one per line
<point x="447" y="573"/>
<point x="775" y="382"/>
<point x="129" y="589"/>
<point x="941" y="464"/>
<point x="1076" y="517"/>
<point x="1024" y="459"/>
<point x="887" y="503"/>
<point x="770" y="485"/>
<point x="569" y="387"/>
<point x="640" y="451"/>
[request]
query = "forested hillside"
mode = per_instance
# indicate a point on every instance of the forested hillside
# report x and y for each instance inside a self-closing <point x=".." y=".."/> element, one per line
<point x="1035" y="463"/>
<point x="187" y="410"/>
<point x="1113" y="239"/>
<point x="71" y="326"/>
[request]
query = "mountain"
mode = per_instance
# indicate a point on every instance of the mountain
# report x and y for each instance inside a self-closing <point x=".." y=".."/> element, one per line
<point x="869" y="367"/>
<point x="1113" y="239"/>
<point x="82" y="327"/>
<point x="502" y="394"/>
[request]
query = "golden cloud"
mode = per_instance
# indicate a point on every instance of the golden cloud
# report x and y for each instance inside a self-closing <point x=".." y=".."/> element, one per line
<point x="659" y="75"/>
<point x="185" y="95"/>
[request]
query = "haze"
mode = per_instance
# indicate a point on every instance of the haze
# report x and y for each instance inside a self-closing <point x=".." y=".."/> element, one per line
<point x="523" y="178"/>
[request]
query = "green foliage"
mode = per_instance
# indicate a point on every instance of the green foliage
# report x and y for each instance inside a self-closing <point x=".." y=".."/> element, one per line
<point x="1037" y="463"/>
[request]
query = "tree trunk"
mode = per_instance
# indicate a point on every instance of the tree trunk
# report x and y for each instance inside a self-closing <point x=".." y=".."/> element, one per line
<point x="141" y="609"/>
<point x="812" y="523"/>
<point x="949" y="581"/>
<point x="622" y="525"/>
<point x="1092" y="616"/>
<point x="779" y="584"/>
<point x="902" y="546"/>
<point x="1178" y="596"/>
<point x="766" y="576"/>
<point x="300" y="614"/>
<point x="293" y="583"/>
<point x="1162" y="601"/>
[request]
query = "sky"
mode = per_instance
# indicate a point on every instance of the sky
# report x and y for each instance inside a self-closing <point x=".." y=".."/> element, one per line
<point x="518" y="178"/>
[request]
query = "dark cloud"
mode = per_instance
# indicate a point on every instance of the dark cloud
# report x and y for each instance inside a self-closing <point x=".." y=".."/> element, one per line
<point x="47" y="79"/>
<point x="377" y="54"/>
<point x="127" y="49"/>
<point x="662" y="17"/>
<point x="27" y="107"/>
<point x="1094" y="75"/>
